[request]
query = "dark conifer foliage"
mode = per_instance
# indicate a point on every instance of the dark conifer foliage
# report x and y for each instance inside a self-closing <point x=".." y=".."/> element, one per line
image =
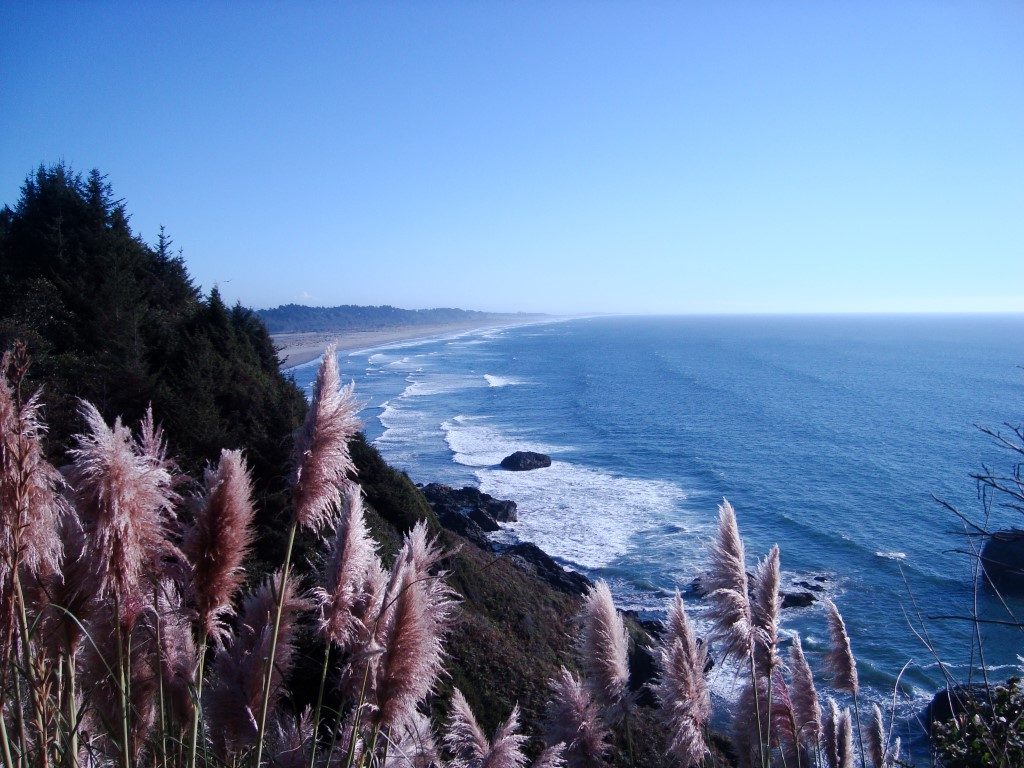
<point x="111" y="319"/>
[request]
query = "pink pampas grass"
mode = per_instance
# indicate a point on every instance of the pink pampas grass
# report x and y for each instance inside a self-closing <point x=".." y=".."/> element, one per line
<point x="177" y="653"/>
<point x="291" y="741"/>
<point x="681" y="688"/>
<point x="470" y="747"/>
<point x="351" y="579"/>
<point x="552" y="757"/>
<point x="765" y="612"/>
<point x="30" y="506"/>
<point x="235" y="695"/>
<point x="411" y="745"/>
<point x="604" y="650"/>
<point x="806" y="709"/>
<point x="876" y="738"/>
<point x="322" y="461"/>
<point x="831" y="738"/>
<point x="574" y="719"/>
<point x="844" y="745"/>
<point x="218" y="542"/>
<point x="414" y="621"/>
<point x="464" y="737"/>
<point x="727" y="586"/>
<point x="125" y="502"/>
<point x="840" y="659"/>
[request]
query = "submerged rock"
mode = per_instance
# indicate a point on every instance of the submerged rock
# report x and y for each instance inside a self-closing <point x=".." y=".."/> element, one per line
<point x="1002" y="557"/>
<point x="532" y="558"/>
<point x="521" y="461"/>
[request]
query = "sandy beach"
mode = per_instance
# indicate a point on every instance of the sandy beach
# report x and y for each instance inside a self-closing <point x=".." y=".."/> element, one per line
<point x="299" y="348"/>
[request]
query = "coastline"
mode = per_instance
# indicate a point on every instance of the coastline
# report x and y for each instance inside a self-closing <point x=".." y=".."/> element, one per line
<point x="298" y="348"/>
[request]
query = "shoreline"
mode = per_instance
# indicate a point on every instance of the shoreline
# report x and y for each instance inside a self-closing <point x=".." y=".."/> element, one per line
<point x="298" y="348"/>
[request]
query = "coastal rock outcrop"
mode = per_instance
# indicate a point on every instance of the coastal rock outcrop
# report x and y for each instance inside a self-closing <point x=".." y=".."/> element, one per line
<point x="1002" y="557"/>
<point x="532" y="558"/>
<point x="482" y="507"/>
<point x="464" y="526"/>
<point x="798" y="599"/>
<point x="951" y="701"/>
<point x="791" y="598"/>
<point x="522" y="461"/>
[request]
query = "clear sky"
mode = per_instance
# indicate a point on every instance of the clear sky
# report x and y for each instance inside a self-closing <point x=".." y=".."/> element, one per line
<point x="560" y="157"/>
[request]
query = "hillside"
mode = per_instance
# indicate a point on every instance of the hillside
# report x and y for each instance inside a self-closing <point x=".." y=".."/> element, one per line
<point x="109" y="318"/>
<point x="296" y="318"/>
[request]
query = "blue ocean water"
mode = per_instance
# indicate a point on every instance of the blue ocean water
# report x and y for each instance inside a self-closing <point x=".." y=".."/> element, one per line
<point x="830" y="436"/>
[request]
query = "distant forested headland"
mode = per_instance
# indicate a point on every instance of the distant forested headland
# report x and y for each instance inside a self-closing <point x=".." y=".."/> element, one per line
<point x="297" y="318"/>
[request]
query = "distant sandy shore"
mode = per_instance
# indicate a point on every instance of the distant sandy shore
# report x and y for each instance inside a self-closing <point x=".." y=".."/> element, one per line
<point x="299" y="348"/>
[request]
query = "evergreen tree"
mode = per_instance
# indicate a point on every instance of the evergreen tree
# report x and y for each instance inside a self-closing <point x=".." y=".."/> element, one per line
<point x="113" y="320"/>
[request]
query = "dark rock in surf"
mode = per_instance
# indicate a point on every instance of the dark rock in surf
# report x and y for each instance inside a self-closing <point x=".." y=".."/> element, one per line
<point x="522" y="461"/>
<point x="471" y="502"/>
<point x="532" y="558"/>
<point x="800" y="599"/>
<point x="810" y="586"/>
<point x="1002" y="557"/>
<point x="464" y="526"/>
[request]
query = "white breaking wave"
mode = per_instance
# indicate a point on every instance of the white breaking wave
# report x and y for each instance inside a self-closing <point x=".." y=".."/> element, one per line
<point x="892" y="555"/>
<point x="476" y="443"/>
<point x="502" y="381"/>
<point x="405" y="426"/>
<point x="582" y="515"/>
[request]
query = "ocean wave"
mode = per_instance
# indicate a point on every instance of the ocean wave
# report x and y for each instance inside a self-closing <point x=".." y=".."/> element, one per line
<point x="502" y="381"/>
<point x="584" y="516"/>
<point x="892" y="555"/>
<point x="437" y="384"/>
<point x="477" y="443"/>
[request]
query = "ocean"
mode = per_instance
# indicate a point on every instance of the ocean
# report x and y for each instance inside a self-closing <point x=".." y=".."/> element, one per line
<point x="832" y="436"/>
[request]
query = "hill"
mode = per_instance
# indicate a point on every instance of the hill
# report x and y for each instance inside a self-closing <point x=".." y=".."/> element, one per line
<point x="297" y="318"/>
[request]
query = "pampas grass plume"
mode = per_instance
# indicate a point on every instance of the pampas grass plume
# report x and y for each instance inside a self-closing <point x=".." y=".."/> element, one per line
<point x="806" y="709"/>
<point x="30" y="505"/>
<point x="765" y="612"/>
<point x="351" y="578"/>
<point x="727" y="585"/>
<point x="219" y="541"/>
<point x="323" y="463"/>
<point x="840" y="659"/>
<point x="604" y="648"/>
<point x="830" y="742"/>
<point x="506" y="749"/>
<point x="574" y="719"/>
<point x="876" y="738"/>
<point x="681" y="688"/>
<point x="126" y="503"/>
<point x="234" y="698"/>
<point x="416" y="618"/>
<point x="411" y="745"/>
<point x="845" y="744"/>
<point x="551" y="757"/>
<point x="464" y="737"/>
<point x="291" y="741"/>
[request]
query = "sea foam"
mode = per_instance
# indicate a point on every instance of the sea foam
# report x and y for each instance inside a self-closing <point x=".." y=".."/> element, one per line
<point x="502" y="381"/>
<point x="582" y="515"/>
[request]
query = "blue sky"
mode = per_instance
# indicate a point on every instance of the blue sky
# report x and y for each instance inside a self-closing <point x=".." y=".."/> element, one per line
<point x="560" y="157"/>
